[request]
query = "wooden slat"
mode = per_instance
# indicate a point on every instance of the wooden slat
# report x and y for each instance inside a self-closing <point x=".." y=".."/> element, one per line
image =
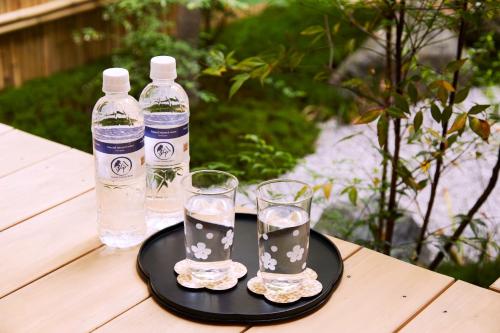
<point x="4" y="128"/>
<point x="346" y="249"/>
<point x="44" y="185"/>
<point x="496" y="285"/>
<point x="150" y="317"/>
<point x="78" y="297"/>
<point x="47" y="241"/>
<point x="52" y="10"/>
<point x="20" y="149"/>
<point x="462" y="308"/>
<point x="377" y="294"/>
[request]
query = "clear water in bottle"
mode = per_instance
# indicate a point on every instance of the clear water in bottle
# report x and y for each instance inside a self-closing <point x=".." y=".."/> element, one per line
<point x="118" y="140"/>
<point x="166" y="114"/>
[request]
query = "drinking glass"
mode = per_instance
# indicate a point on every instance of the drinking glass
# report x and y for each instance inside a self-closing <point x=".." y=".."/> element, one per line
<point x="283" y="226"/>
<point x="209" y="222"/>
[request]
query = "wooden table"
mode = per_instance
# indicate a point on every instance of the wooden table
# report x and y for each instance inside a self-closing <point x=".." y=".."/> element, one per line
<point x="55" y="276"/>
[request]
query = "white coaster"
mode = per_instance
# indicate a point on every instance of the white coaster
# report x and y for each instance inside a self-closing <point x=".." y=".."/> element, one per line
<point x="236" y="271"/>
<point x="309" y="287"/>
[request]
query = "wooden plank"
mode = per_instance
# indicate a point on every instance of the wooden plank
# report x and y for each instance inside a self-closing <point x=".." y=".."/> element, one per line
<point x="462" y="308"/>
<point x="20" y="149"/>
<point x="52" y="10"/>
<point x="346" y="249"/>
<point x="44" y="185"/>
<point x="377" y="294"/>
<point x="78" y="297"/>
<point x="496" y="285"/>
<point x="47" y="241"/>
<point x="4" y="128"/>
<point x="150" y="317"/>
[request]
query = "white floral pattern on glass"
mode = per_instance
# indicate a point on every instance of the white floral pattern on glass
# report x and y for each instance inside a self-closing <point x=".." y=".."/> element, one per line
<point x="199" y="226"/>
<point x="295" y="233"/>
<point x="201" y="251"/>
<point x="268" y="262"/>
<point x="228" y="239"/>
<point x="265" y="237"/>
<point x="210" y="235"/>
<point x="274" y="248"/>
<point x="296" y="253"/>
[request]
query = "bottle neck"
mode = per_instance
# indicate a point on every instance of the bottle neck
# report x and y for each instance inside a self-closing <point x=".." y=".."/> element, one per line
<point x="117" y="94"/>
<point x="163" y="81"/>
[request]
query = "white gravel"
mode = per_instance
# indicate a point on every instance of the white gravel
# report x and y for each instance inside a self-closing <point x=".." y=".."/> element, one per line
<point x="460" y="186"/>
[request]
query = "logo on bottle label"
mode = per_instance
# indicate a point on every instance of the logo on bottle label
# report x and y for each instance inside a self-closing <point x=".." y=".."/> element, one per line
<point x="121" y="166"/>
<point x="118" y="160"/>
<point x="167" y="146"/>
<point x="164" y="150"/>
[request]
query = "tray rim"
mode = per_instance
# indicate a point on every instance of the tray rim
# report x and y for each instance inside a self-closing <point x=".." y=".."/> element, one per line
<point x="203" y="317"/>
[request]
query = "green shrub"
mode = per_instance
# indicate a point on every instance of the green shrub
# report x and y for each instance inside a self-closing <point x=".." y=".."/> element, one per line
<point x="280" y="26"/>
<point x="482" y="274"/>
<point x="215" y="129"/>
<point x="59" y="108"/>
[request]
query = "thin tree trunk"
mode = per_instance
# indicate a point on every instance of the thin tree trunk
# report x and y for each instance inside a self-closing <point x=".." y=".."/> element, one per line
<point x="444" y="130"/>
<point x="383" y="182"/>
<point x="470" y="215"/>
<point x="392" y="209"/>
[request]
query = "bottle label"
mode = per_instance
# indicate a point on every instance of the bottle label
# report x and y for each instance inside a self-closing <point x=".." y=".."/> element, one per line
<point x="166" y="146"/>
<point x="119" y="160"/>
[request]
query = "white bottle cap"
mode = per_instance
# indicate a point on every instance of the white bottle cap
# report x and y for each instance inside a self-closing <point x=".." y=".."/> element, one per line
<point x="163" y="68"/>
<point x="115" y="80"/>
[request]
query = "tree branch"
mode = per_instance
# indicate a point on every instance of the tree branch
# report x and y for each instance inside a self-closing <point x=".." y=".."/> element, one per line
<point x="444" y="130"/>
<point x="468" y="218"/>
<point x="329" y="40"/>
<point x="397" y="132"/>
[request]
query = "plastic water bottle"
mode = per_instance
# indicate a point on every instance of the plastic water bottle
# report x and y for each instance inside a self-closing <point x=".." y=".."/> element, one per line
<point x="118" y="137"/>
<point x="166" y="114"/>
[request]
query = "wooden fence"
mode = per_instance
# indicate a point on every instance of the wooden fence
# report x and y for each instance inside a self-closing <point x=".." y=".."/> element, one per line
<point x="36" y="37"/>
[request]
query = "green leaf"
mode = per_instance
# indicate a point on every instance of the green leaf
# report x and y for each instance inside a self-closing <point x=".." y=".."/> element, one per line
<point x="353" y="195"/>
<point x="435" y="112"/>
<point x="214" y="71"/>
<point x="417" y="121"/>
<point x="455" y="65"/>
<point x="382" y="126"/>
<point x="312" y="30"/>
<point x="238" y="82"/>
<point x="459" y="123"/>
<point x="442" y="84"/>
<point x="368" y="116"/>
<point x="296" y="59"/>
<point x="401" y="103"/>
<point x="461" y="95"/>
<point x="327" y="189"/>
<point x="442" y="95"/>
<point x="413" y="93"/>
<point x="480" y="127"/>
<point x="447" y="111"/>
<point x="396" y="112"/>
<point x="300" y="193"/>
<point x="248" y="64"/>
<point x="451" y="140"/>
<point x="478" y="108"/>
<point x="407" y="177"/>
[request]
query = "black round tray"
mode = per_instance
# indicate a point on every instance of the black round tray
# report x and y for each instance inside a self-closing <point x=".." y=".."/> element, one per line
<point x="161" y="251"/>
